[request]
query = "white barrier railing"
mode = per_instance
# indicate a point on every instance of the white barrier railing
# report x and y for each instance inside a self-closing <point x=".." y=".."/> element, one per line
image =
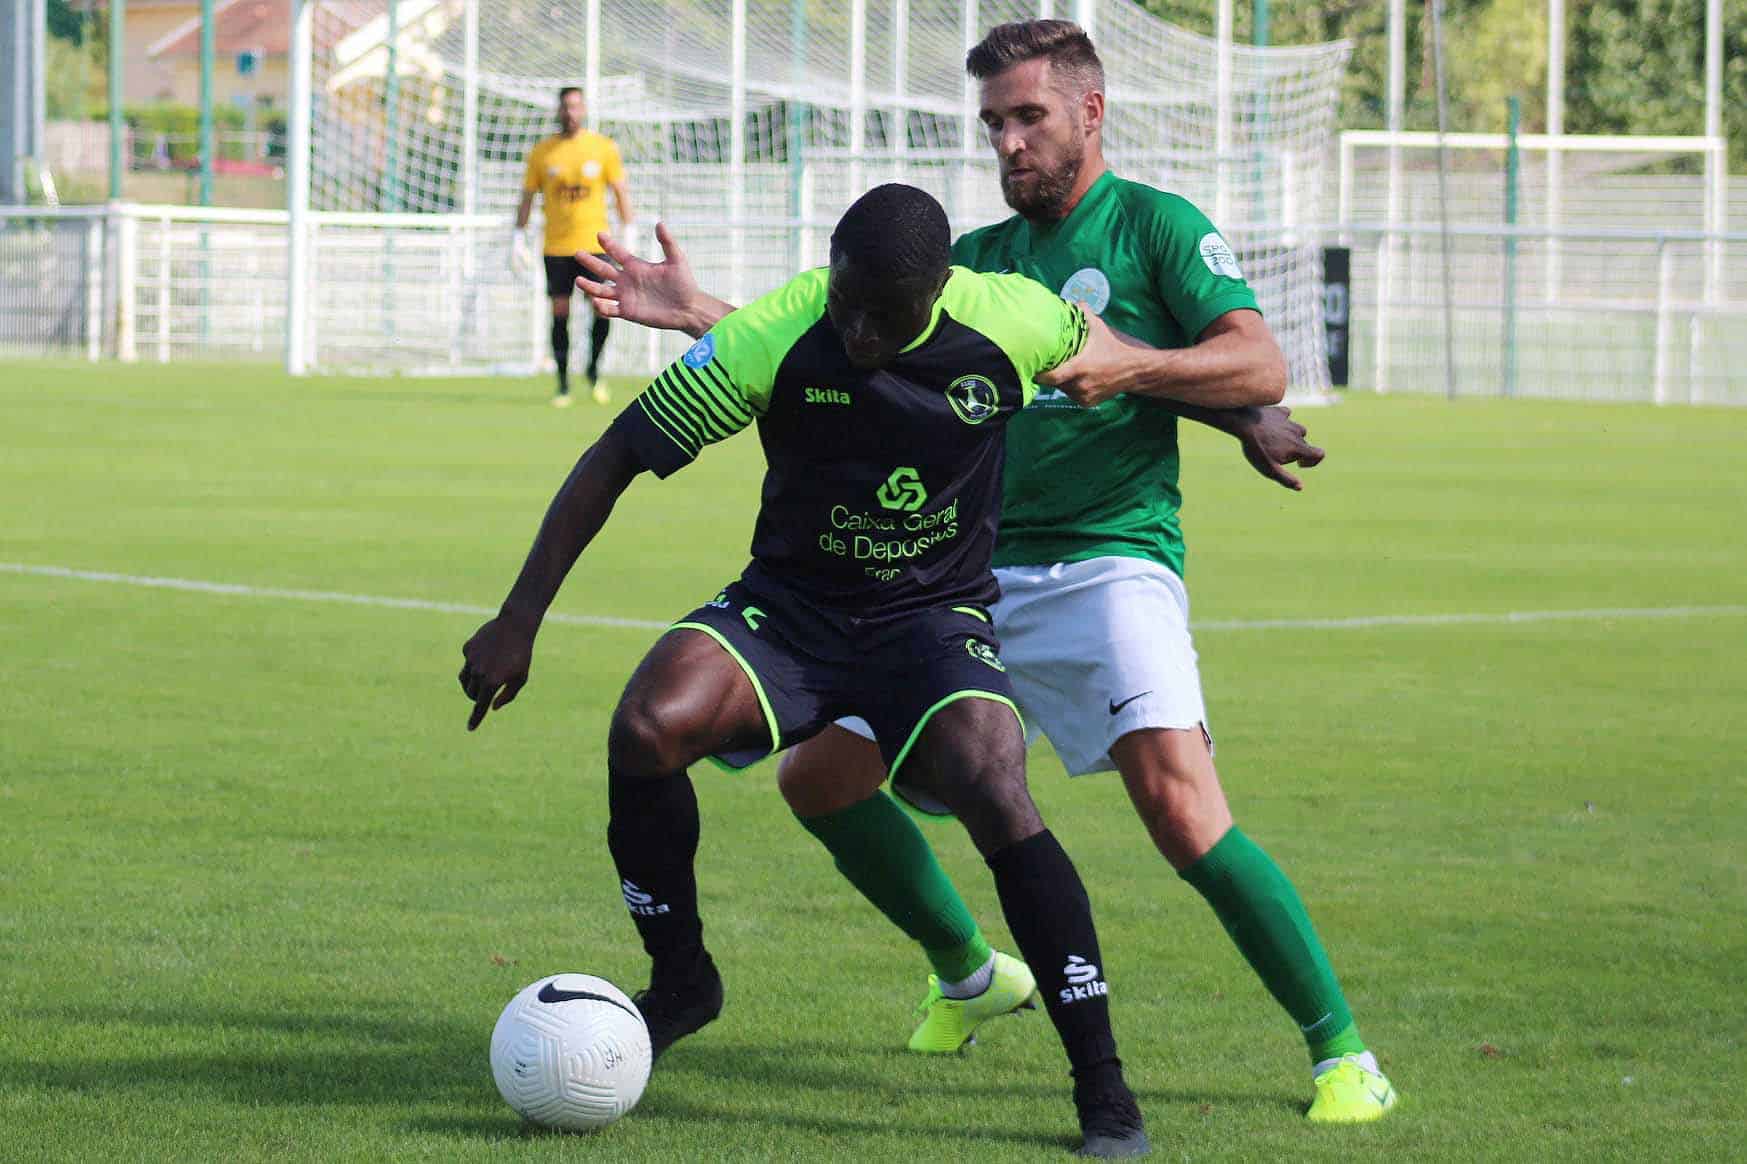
<point x="1636" y="317"/>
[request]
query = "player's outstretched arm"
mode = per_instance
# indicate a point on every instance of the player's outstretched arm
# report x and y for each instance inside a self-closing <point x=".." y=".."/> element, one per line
<point x="662" y="295"/>
<point x="498" y="656"/>
<point x="1270" y="438"/>
<point x="1234" y="364"/>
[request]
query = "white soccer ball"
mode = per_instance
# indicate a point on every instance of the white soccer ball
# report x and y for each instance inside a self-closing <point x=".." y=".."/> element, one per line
<point x="571" y="1052"/>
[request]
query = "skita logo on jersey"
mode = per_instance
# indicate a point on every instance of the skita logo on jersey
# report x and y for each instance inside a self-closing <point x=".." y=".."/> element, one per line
<point x="973" y="398"/>
<point x="984" y="654"/>
<point x="1090" y="288"/>
<point x="903" y="491"/>
<point x="701" y="352"/>
<point x="1218" y="257"/>
<point x="1083" y="980"/>
<point x="825" y="396"/>
<point x="640" y="903"/>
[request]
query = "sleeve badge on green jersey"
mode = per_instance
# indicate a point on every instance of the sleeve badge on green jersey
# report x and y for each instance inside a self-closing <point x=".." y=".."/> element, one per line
<point x="701" y="352"/>
<point x="973" y="398"/>
<point x="1090" y="288"/>
<point x="1218" y="257"/>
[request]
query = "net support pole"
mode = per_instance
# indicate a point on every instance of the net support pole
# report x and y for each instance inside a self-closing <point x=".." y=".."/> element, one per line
<point x="391" y="102"/>
<point x="1716" y="156"/>
<point x="899" y="135"/>
<point x="117" y="35"/>
<point x="857" y="95"/>
<point x="1396" y="100"/>
<point x="1444" y="199"/>
<point x="1512" y="160"/>
<point x="1555" y="197"/>
<point x="737" y="154"/>
<point x="207" y="52"/>
<point x="297" y="191"/>
<point x="797" y="141"/>
<point x="967" y="120"/>
<point x="1086" y="15"/>
<point x="1222" y="114"/>
<point x="470" y="110"/>
<point x="591" y="65"/>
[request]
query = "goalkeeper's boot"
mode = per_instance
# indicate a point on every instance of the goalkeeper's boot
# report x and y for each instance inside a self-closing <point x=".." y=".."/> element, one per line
<point x="1350" y="1090"/>
<point x="1110" y="1121"/>
<point x="674" y="1009"/>
<point x="948" y="1024"/>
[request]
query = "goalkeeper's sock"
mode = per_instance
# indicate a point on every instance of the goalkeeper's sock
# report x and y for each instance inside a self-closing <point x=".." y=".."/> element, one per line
<point x="879" y="849"/>
<point x="597" y="342"/>
<point x="1266" y="918"/>
<point x="1051" y="919"/>
<point x="652" y="832"/>
<point x="561" y="351"/>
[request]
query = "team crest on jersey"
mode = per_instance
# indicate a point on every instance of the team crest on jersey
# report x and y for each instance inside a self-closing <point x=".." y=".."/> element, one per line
<point x="973" y="398"/>
<point x="983" y="653"/>
<point x="591" y="169"/>
<point x="701" y="352"/>
<point x="1090" y="288"/>
<point x="551" y="171"/>
<point x="1218" y="257"/>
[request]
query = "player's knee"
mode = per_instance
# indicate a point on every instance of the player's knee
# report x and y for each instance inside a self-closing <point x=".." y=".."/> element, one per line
<point x="1176" y="792"/>
<point x="652" y="736"/>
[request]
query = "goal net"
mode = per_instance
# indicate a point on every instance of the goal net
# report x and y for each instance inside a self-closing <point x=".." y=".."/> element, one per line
<point x="749" y="136"/>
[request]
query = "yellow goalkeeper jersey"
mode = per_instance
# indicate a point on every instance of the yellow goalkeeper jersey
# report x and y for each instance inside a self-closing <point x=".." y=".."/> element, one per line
<point x="571" y="175"/>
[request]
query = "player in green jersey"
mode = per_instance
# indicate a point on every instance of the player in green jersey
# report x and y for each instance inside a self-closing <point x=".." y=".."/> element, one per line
<point x="1094" y="615"/>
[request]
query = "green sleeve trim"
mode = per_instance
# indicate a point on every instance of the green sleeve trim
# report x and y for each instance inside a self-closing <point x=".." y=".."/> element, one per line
<point x="974" y="612"/>
<point x="757" y="686"/>
<point x="1035" y="327"/>
<point x="748" y="346"/>
<point x="916" y="732"/>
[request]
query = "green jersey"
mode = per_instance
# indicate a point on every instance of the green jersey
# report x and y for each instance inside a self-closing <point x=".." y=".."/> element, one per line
<point x="1085" y="483"/>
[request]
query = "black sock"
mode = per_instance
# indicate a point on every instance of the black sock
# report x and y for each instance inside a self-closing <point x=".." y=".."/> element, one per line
<point x="653" y="835"/>
<point x="561" y="350"/>
<point x="1046" y="908"/>
<point x="597" y="340"/>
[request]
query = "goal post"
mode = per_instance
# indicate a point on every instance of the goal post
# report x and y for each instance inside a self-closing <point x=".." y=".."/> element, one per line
<point x="750" y="127"/>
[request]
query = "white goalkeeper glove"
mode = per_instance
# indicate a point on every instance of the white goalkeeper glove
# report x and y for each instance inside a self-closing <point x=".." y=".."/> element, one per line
<point x="521" y="257"/>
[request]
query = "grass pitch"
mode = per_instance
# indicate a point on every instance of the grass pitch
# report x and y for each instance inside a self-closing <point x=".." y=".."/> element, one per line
<point x="262" y="896"/>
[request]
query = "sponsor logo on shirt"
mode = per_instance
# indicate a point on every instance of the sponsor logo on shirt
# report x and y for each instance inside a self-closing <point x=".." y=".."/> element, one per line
<point x="1090" y="288"/>
<point x="1218" y="257"/>
<point x="902" y="491"/>
<point x="701" y="352"/>
<point x="826" y="396"/>
<point x="973" y="398"/>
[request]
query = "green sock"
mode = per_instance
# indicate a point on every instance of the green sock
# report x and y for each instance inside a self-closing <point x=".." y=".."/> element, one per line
<point x="1265" y="917"/>
<point x="882" y="853"/>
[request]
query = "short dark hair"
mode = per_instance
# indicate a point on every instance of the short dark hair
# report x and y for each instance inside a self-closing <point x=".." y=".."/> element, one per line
<point x="567" y="91"/>
<point x="1062" y="42"/>
<point x="895" y="229"/>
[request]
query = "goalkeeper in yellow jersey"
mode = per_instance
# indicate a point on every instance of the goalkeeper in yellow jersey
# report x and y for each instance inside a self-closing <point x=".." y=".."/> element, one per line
<point x="571" y="172"/>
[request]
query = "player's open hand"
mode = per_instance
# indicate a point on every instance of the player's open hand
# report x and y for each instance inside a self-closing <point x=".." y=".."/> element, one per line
<point x="497" y="660"/>
<point x="658" y="295"/>
<point x="1104" y="367"/>
<point x="1272" y="440"/>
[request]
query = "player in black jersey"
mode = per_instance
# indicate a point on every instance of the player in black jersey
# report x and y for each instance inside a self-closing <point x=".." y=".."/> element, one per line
<point x="880" y="388"/>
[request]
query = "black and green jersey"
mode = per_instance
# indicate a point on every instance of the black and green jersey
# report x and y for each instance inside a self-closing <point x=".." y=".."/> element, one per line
<point x="1085" y="483"/>
<point x="883" y="489"/>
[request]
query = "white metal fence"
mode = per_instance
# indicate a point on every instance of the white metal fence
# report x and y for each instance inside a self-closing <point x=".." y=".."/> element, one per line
<point x="1632" y="319"/>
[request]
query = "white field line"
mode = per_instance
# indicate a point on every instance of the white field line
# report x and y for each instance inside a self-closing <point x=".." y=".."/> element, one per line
<point x="238" y="590"/>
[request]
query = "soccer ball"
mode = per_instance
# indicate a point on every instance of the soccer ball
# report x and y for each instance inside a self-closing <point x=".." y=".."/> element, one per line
<point x="571" y="1052"/>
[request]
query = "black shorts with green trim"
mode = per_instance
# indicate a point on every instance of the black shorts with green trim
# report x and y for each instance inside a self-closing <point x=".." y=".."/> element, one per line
<point x="812" y="666"/>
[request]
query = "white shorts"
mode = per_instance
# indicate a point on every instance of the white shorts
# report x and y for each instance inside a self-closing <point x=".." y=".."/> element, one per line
<point x="1095" y="649"/>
